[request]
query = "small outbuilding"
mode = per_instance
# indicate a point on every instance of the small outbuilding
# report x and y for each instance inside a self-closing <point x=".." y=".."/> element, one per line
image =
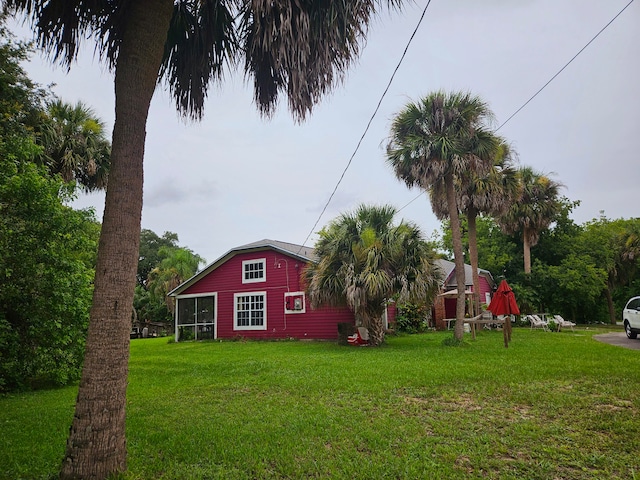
<point x="445" y="305"/>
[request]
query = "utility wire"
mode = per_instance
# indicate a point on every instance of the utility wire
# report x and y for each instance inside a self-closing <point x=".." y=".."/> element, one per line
<point x="546" y="84"/>
<point x="565" y="66"/>
<point x="368" y="124"/>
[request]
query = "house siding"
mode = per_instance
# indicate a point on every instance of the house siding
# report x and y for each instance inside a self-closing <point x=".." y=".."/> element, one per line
<point x="283" y="274"/>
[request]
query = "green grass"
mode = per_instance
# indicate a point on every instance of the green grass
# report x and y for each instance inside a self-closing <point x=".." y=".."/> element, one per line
<point x="552" y="405"/>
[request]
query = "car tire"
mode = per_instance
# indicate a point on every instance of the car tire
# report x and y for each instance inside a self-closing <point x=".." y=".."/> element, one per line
<point x="627" y="329"/>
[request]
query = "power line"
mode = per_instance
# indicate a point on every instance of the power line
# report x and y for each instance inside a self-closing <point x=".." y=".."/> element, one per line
<point x="565" y="66"/>
<point x="368" y="124"/>
<point x="545" y="85"/>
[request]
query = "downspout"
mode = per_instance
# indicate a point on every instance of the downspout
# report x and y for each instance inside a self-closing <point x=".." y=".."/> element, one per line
<point x="175" y="319"/>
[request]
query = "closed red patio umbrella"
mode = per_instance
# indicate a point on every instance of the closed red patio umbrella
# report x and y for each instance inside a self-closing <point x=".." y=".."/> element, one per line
<point x="504" y="303"/>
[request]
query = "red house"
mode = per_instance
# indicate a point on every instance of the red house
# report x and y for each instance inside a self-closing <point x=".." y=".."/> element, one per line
<point x="254" y="291"/>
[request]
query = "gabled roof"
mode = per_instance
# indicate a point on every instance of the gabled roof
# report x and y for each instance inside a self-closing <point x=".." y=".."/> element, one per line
<point x="450" y="281"/>
<point x="305" y="254"/>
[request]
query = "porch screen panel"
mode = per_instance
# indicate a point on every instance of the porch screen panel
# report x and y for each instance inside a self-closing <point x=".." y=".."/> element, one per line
<point x="206" y="306"/>
<point x="186" y="311"/>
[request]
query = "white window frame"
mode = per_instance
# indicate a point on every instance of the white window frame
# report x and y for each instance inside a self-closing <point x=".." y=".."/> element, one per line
<point x="262" y="261"/>
<point x="235" y="311"/>
<point x="295" y="294"/>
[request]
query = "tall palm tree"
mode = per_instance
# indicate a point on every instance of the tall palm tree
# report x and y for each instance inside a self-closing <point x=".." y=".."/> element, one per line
<point x="299" y="49"/>
<point x="437" y="140"/>
<point x="75" y="144"/>
<point x="364" y="261"/>
<point x="490" y="193"/>
<point x="536" y="207"/>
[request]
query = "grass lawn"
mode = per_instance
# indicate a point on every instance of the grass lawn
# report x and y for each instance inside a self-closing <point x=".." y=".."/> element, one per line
<point x="551" y="406"/>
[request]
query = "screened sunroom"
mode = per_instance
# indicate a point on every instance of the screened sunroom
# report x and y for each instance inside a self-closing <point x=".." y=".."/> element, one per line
<point x="195" y="317"/>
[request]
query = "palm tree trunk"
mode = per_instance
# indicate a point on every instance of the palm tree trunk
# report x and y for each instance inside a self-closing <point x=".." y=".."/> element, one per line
<point x="608" y="290"/>
<point x="376" y="332"/>
<point x="372" y="319"/>
<point x="526" y="247"/>
<point x="458" y="255"/>
<point x="473" y="257"/>
<point x="96" y="447"/>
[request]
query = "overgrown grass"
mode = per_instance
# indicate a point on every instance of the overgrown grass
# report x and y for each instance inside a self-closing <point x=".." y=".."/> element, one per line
<point x="552" y="405"/>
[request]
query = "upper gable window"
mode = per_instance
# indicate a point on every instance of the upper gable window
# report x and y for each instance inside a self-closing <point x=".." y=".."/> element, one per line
<point x="254" y="271"/>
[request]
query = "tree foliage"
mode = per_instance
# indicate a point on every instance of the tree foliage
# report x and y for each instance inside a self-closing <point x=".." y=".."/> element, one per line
<point x="47" y="253"/>
<point x="74" y="144"/>
<point x="534" y="209"/>
<point x="47" y="249"/>
<point x="583" y="272"/>
<point x="434" y="143"/>
<point x="150" y="246"/>
<point x="364" y="261"/>
<point x="163" y="265"/>
<point x="176" y="266"/>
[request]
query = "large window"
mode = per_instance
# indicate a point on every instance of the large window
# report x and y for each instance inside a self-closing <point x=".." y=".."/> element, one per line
<point x="196" y="318"/>
<point x="254" y="271"/>
<point x="250" y="311"/>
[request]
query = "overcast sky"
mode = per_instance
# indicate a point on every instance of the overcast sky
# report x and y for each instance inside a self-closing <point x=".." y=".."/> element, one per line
<point x="235" y="178"/>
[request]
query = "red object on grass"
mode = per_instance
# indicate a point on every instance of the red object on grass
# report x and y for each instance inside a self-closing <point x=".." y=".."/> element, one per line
<point x="504" y="301"/>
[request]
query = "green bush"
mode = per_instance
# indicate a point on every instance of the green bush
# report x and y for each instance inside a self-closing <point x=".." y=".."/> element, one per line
<point x="412" y="318"/>
<point x="47" y="253"/>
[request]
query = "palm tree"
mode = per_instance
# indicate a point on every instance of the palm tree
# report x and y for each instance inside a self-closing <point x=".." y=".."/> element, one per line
<point x="491" y="194"/>
<point x="178" y="265"/>
<point x="300" y="49"/>
<point x="75" y="145"/>
<point x="436" y="141"/>
<point x="364" y="261"/>
<point x="536" y="207"/>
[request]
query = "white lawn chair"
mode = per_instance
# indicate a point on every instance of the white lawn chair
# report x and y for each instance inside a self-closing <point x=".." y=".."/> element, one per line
<point x="537" y="322"/>
<point x="563" y="323"/>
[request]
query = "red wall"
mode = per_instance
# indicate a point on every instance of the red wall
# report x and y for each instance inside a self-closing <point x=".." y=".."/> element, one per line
<point x="227" y="280"/>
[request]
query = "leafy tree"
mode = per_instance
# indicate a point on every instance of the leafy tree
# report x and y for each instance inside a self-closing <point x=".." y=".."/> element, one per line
<point x="21" y="101"/>
<point x="296" y="48"/>
<point x="47" y="253"/>
<point x="607" y="242"/>
<point x="149" y="254"/>
<point x="573" y="287"/>
<point x="47" y="250"/>
<point x="364" y="261"/>
<point x="177" y="265"/>
<point x="149" y="309"/>
<point x="534" y="211"/>
<point x="153" y="305"/>
<point x="75" y="144"/>
<point x="436" y="141"/>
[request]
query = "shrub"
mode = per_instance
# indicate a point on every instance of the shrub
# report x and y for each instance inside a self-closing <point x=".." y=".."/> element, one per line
<point x="412" y="318"/>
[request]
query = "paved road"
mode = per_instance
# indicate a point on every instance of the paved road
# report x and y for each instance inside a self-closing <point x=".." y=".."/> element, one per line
<point x="619" y="339"/>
